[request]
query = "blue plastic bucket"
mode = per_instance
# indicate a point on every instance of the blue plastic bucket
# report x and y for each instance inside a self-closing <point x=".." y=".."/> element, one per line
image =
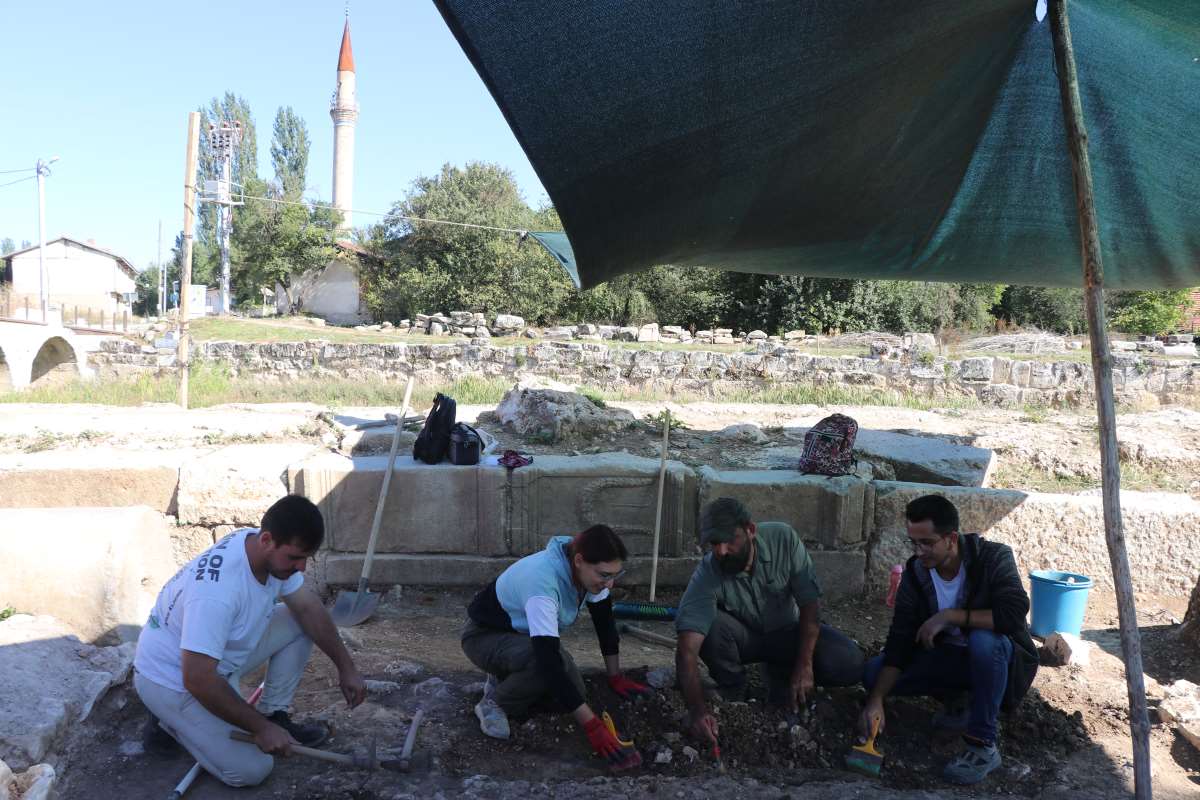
<point x="1058" y="600"/>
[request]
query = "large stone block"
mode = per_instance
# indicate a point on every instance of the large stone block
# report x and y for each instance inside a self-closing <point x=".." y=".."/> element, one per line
<point x="85" y="478"/>
<point x="562" y="495"/>
<point x="440" y="508"/>
<point x="1055" y="531"/>
<point x="98" y="570"/>
<point x="828" y="511"/>
<point x="235" y="485"/>
<point x="49" y="682"/>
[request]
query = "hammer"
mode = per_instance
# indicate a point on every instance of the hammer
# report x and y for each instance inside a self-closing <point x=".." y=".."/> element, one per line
<point x="358" y="760"/>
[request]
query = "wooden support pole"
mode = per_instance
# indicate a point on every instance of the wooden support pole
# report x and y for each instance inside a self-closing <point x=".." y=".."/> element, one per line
<point x="189" y="223"/>
<point x="662" y="485"/>
<point x="1093" y="275"/>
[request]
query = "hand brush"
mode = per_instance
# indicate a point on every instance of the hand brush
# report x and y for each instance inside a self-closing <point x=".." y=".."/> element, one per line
<point x="864" y="758"/>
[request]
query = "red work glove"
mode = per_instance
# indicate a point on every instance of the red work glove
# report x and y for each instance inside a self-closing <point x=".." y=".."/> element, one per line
<point x="626" y="688"/>
<point x="602" y="740"/>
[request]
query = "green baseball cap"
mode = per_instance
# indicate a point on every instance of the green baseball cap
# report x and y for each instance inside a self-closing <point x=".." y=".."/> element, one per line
<point x="720" y="519"/>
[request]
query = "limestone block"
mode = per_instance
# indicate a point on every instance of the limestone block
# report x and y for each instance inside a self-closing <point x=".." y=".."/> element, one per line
<point x="82" y="478"/>
<point x="793" y="335"/>
<point x="824" y="510"/>
<point x="1181" y="703"/>
<point x="561" y="495"/>
<point x="746" y="432"/>
<point x="554" y="415"/>
<point x="1054" y="531"/>
<point x="648" y="333"/>
<point x="1021" y="373"/>
<point x="97" y="570"/>
<point x="439" y="508"/>
<point x="49" y="682"/>
<point x="508" y="322"/>
<point x="626" y="334"/>
<point x="235" y="485"/>
<point x="756" y="334"/>
<point x="977" y="369"/>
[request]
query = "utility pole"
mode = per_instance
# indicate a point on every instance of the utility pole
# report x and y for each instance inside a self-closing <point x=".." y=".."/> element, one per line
<point x="224" y="140"/>
<point x="189" y="223"/>
<point x="162" y="277"/>
<point x="43" y="169"/>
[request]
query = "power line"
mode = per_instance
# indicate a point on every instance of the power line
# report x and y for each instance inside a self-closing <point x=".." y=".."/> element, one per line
<point x="11" y="171"/>
<point x="385" y="214"/>
<point x="18" y="180"/>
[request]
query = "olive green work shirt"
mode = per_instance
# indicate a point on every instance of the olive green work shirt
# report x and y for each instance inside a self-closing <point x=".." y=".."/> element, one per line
<point x="767" y="598"/>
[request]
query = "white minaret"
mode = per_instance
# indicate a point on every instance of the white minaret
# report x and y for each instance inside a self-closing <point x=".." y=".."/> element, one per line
<point x="344" y="111"/>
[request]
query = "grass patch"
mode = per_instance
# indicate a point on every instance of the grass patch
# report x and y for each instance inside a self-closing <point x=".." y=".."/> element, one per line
<point x="796" y="394"/>
<point x="1134" y="477"/>
<point x="6" y="612"/>
<point x="1035" y="413"/>
<point x="211" y="385"/>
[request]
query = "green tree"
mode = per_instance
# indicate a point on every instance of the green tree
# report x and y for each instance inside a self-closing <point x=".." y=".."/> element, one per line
<point x="274" y="243"/>
<point x="1149" y="312"/>
<point x="431" y="267"/>
<point x="1059" y="309"/>
<point x="7" y="246"/>
<point x="289" y="153"/>
<point x="146" y="284"/>
<point x="206" y="254"/>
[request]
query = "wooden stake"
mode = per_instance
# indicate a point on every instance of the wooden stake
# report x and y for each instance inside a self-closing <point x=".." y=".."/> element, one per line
<point x="662" y="481"/>
<point x="1093" y="275"/>
<point x="189" y="223"/>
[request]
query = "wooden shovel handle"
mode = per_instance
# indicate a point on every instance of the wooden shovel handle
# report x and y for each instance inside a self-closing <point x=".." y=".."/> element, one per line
<point x="299" y="749"/>
<point x="383" y="492"/>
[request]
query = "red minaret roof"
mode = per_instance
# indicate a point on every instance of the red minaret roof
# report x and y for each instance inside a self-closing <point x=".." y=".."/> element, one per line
<point x="346" y="55"/>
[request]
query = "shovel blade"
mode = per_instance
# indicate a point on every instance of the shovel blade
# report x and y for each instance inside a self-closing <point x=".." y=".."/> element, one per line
<point x="353" y="608"/>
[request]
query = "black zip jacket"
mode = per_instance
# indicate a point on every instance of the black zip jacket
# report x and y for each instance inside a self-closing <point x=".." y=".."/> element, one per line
<point x="992" y="582"/>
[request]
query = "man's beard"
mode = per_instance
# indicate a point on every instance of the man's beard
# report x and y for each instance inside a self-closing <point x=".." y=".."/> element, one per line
<point x="734" y="563"/>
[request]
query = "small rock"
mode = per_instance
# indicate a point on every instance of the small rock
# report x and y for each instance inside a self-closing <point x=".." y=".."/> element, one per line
<point x="381" y="687"/>
<point x="1067" y="649"/>
<point x="661" y="677"/>
<point x="1181" y="703"/>
<point x="664" y="756"/>
<point x="403" y="668"/>
<point x="130" y="749"/>
<point x="799" y="734"/>
<point x="745" y="432"/>
<point x="691" y="753"/>
<point x="431" y="686"/>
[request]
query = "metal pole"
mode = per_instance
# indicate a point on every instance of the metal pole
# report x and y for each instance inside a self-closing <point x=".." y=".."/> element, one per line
<point x="1093" y="274"/>
<point x="42" y="288"/>
<point x="189" y="223"/>
<point x="224" y="215"/>
<point x="162" y="277"/>
<point x="662" y="480"/>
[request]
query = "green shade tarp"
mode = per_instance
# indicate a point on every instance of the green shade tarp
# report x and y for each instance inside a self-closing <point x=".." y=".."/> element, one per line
<point x="898" y="140"/>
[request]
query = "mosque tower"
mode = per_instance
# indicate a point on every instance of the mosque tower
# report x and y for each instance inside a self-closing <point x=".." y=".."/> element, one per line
<point x="344" y="111"/>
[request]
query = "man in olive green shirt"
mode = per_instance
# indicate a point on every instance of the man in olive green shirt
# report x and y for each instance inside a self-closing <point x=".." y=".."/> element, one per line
<point x="754" y="598"/>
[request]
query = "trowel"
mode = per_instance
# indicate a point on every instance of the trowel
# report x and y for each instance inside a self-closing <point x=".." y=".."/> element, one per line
<point x="354" y="608"/>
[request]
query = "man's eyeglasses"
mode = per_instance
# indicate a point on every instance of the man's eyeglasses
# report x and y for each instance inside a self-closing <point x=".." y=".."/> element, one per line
<point x="923" y="546"/>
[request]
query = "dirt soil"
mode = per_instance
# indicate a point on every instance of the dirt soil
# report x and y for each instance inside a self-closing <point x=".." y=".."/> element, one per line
<point x="1069" y="739"/>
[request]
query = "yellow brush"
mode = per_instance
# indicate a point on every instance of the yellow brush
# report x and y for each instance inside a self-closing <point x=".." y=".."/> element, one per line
<point x="864" y="758"/>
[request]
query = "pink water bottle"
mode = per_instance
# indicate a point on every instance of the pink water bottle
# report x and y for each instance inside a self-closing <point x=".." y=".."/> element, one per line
<point x="894" y="584"/>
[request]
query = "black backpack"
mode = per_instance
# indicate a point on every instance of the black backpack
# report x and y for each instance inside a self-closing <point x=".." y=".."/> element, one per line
<point x="434" y="439"/>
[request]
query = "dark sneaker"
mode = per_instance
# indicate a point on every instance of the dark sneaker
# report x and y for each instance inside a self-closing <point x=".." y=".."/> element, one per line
<point x="973" y="764"/>
<point x="156" y="741"/>
<point x="310" y="735"/>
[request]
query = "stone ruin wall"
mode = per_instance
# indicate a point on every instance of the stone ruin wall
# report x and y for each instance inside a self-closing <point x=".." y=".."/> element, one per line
<point x="994" y="380"/>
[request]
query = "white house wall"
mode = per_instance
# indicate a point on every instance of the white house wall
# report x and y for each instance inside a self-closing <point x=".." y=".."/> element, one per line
<point x="77" y="277"/>
<point x="331" y="293"/>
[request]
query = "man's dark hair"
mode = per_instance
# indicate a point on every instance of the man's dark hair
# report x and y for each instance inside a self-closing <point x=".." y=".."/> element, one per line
<point x="935" y="508"/>
<point x="599" y="544"/>
<point x="295" y="520"/>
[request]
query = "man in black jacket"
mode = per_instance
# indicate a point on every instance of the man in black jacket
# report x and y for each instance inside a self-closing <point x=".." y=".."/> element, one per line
<point x="959" y="625"/>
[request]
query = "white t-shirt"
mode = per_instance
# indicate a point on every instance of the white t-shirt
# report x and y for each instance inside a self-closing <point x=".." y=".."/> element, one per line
<point x="950" y="595"/>
<point x="541" y="613"/>
<point x="213" y="606"/>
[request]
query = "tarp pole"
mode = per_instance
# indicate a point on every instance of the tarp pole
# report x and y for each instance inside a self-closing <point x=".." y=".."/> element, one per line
<point x="1093" y="274"/>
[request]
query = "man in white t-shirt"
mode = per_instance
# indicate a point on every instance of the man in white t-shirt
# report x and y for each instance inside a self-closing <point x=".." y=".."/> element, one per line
<point x="218" y="619"/>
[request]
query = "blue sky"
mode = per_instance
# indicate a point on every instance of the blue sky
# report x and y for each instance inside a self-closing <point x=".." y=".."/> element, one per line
<point x="108" y="87"/>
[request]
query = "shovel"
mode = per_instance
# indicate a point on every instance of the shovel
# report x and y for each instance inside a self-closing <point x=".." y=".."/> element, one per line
<point x="354" y="608"/>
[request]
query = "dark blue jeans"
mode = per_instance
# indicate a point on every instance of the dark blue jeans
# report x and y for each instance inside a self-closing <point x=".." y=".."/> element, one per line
<point x="980" y="668"/>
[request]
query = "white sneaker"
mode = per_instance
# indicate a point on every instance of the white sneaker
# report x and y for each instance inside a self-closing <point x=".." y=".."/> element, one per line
<point x="492" y="719"/>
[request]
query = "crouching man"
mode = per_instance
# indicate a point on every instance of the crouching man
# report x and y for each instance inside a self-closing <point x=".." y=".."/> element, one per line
<point x="959" y="626"/>
<point x="754" y="599"/>
<point x="218" y="619"/>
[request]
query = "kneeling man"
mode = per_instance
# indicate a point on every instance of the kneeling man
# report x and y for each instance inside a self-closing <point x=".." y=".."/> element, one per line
<point x="959" y="625"/>
<point x="216" y="620"/>
<point x="754" y="599"/>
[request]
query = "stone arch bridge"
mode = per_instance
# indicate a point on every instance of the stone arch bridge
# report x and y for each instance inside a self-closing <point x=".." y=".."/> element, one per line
<point x="37" y="354"/>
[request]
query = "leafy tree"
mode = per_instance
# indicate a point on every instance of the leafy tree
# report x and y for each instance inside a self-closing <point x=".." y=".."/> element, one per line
<point x="1149" y="312"/>
<point x="25" y="244"/>
<point x="7" y="246"/>
<point x="432" y="267"/>
<point x="274" y="243"/>
<point x="146" y="284"/>
<point x="1059" y="309"/>
<point x="206" y="254"/>
<point x="289" y="152"/>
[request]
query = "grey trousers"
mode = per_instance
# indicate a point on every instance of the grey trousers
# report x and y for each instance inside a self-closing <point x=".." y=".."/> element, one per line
<point x="285" y="648"/>
<point x="509" y="656"/>
<point x="730" y="645"/>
